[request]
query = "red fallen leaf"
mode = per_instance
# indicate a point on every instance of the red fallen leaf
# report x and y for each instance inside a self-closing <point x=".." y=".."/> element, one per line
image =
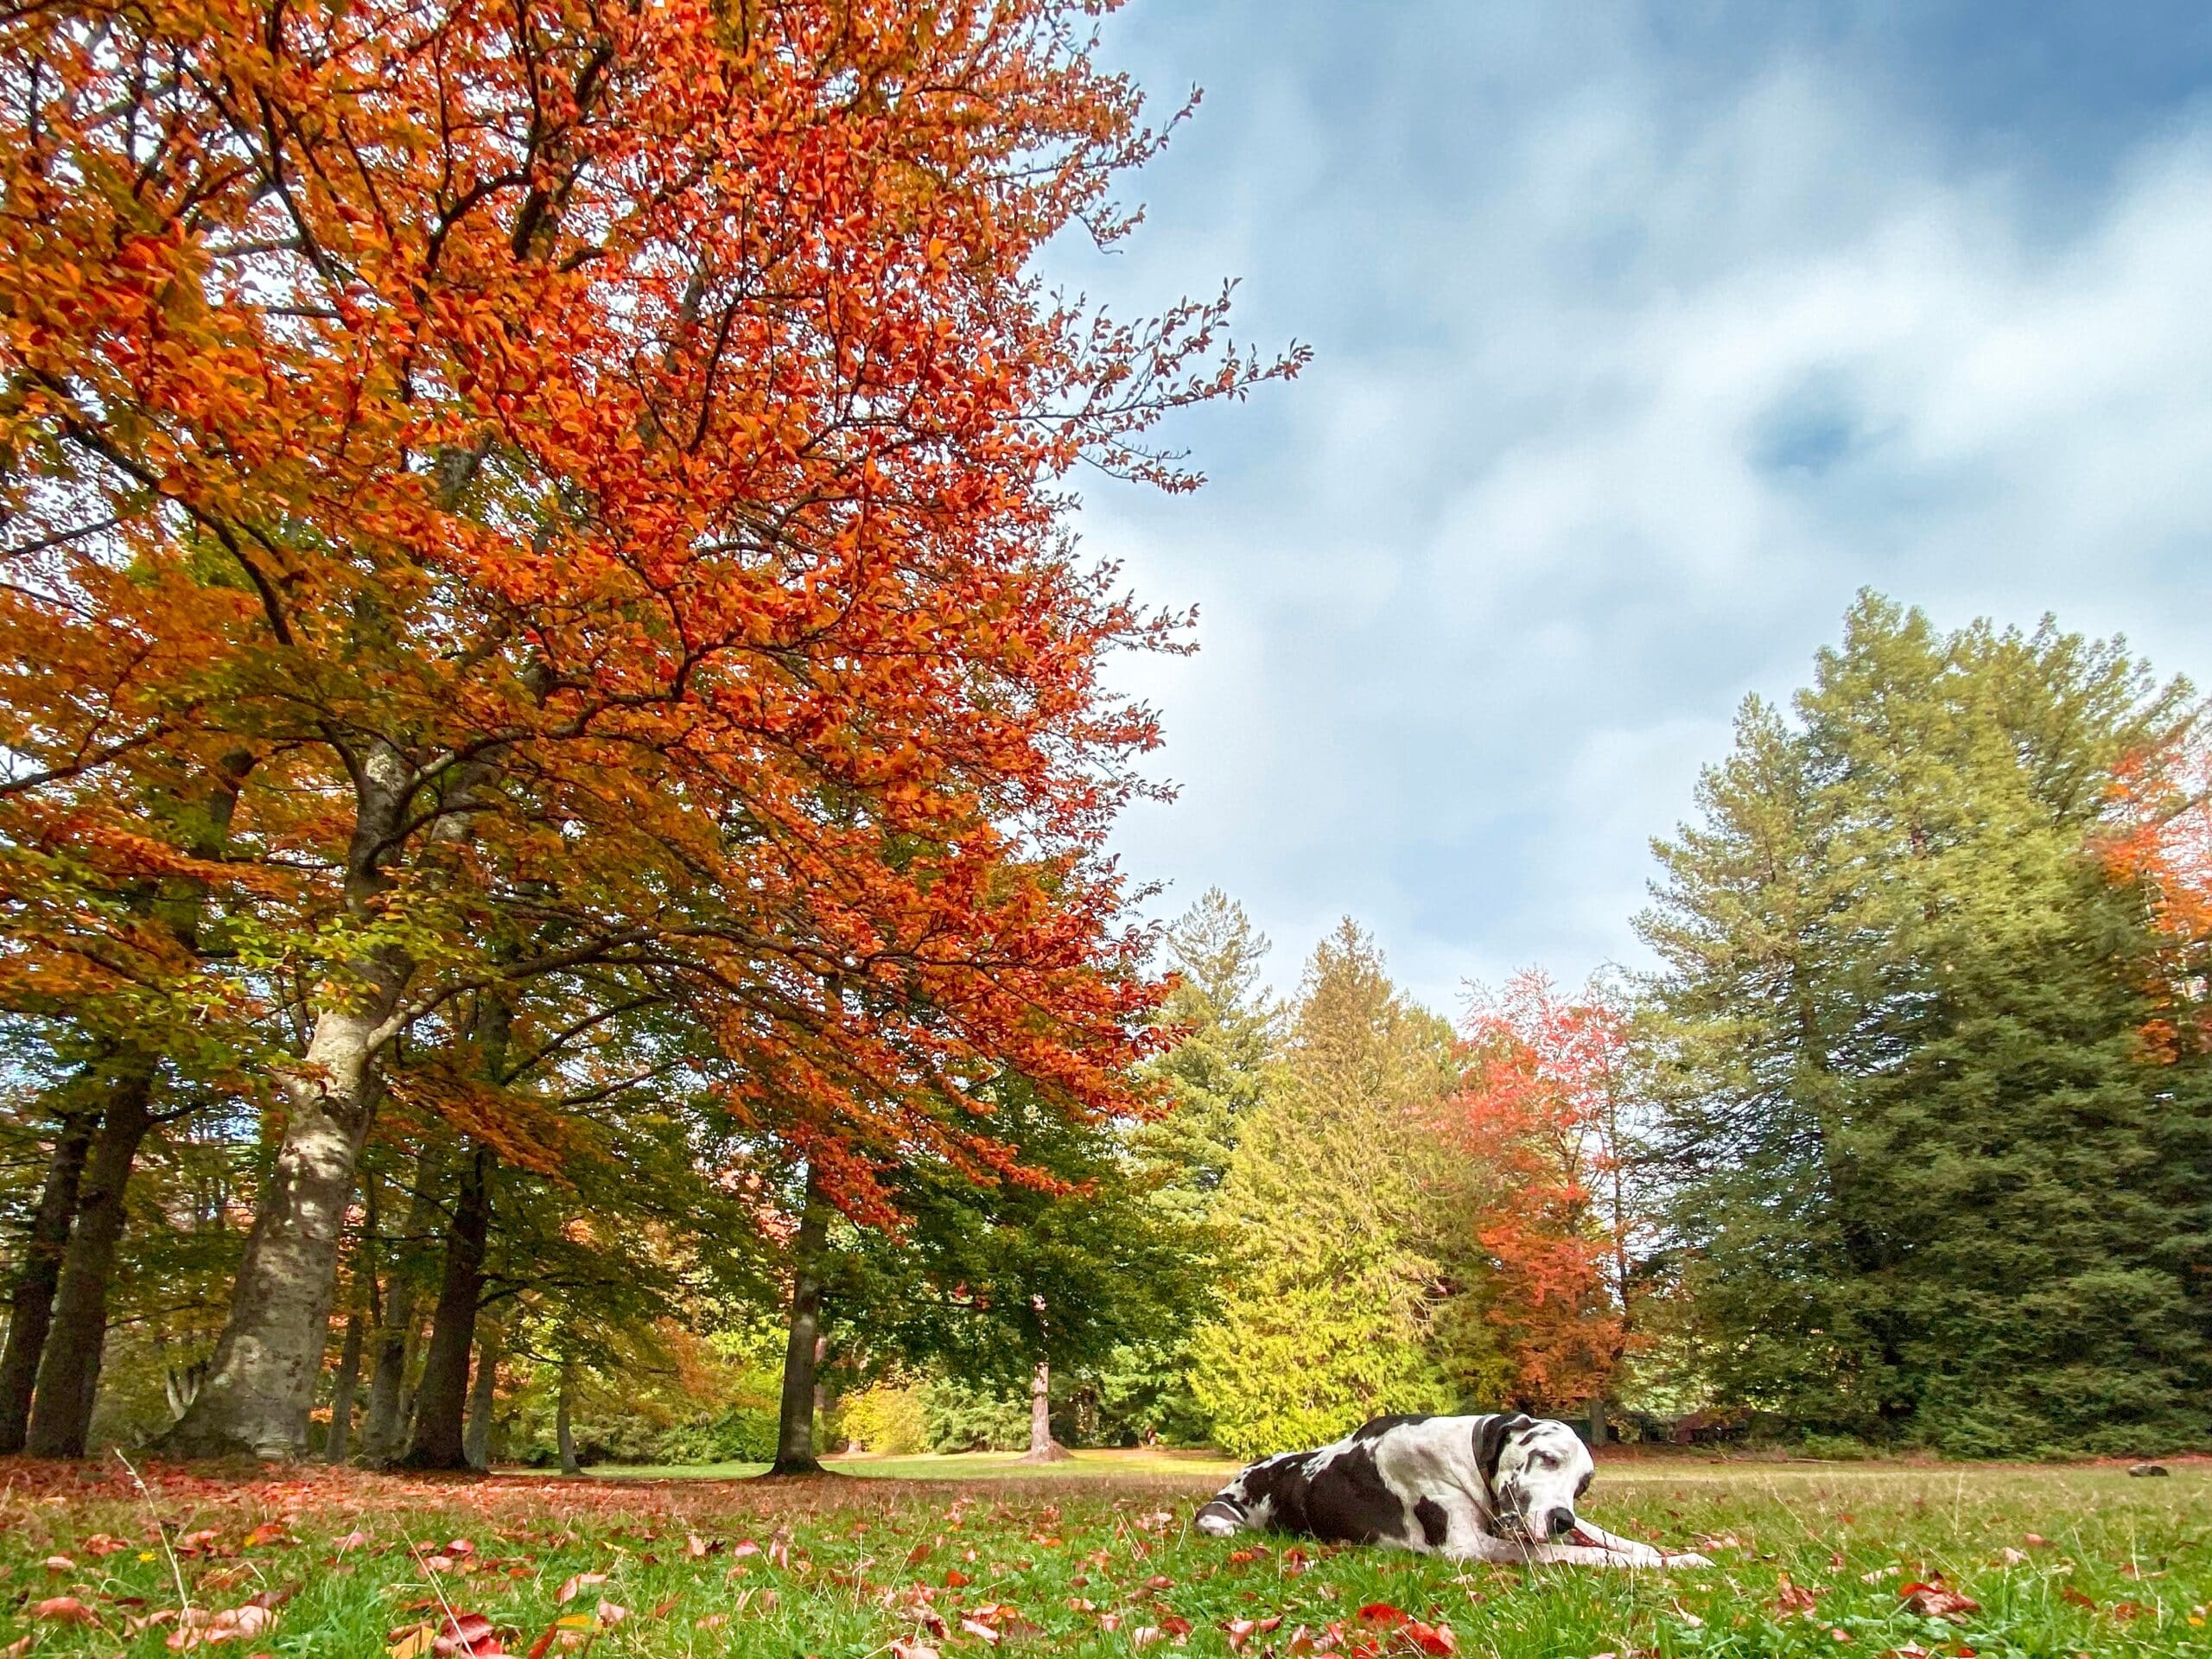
<point x="60" y="1564"/>
<point x="976" y="1627"/>
<point x="666" y="1607"/>
<point x="740" y="1551"/>
<point x="612" y="1613"/>
<point x="460" y="1547"/>
<point x="1791" y="1598"/>
<point x="577" y="1584"/>
<point x="1431" y="1638"/>
<point x="543" y="1645"/>
<point x="2125" y="1610"/>
<point x="1144" y="1635"/>
<point x="64" y="1610"/>
<point x="352" y="1540"/>
<point x="1240" y="1630"/>
<point x="919" y="1553"/>
<point x="902" y="1648"/>
<point x="1160" y="1582"/>
<point x="268" y="1532"/>
<point x="2068" y="1593"/>
<point x="1175" y="1624"/>
<point x="192" y="1542"/>
<point x="101" y="1543"/>
<point x="1382" y="1612"/>
<point x="954" y="1579"/>
<point x="1936" y="1601"/>
<point x="1244" y="1557"/>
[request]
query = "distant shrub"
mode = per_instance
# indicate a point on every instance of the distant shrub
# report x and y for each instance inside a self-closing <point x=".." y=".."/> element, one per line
<point x="890" y="1418"/>
<point x="959" y="1417"/>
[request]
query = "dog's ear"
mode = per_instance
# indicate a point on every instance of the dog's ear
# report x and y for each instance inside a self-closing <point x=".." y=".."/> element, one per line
<point x="1490" y="1442"/>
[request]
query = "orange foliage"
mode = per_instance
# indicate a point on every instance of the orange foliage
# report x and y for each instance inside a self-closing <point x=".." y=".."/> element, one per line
<point x="2164" y="804"/>
<point x="598" y="465"/>
<point x="1533" y="1117"/>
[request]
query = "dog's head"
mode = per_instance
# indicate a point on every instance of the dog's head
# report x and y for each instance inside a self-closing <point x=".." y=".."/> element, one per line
<point x="1536" y="1472"/>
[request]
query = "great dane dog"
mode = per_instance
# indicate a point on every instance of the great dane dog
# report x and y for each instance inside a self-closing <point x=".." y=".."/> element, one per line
<point x="1470" y="1489"/>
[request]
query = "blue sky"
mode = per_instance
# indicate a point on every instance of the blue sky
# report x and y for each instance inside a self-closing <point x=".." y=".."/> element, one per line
<point x="1645" y="335"/>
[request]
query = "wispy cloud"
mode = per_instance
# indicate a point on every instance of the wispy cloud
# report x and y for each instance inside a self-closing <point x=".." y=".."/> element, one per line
<point x="1638" y="354"/>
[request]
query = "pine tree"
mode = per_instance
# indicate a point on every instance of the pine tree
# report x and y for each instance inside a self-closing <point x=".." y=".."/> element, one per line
<point x="1227" y="1032"/>
<point x="1927" y="1166"/>
<point x="1330" y="1300"/>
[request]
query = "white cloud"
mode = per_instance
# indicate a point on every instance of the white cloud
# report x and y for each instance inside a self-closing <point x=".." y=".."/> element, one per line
<point x="1621" y="396"/>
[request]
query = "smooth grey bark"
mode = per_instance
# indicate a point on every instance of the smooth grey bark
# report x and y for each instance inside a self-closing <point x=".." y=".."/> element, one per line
<point x="441" y="1398"/>
<point x="1043" y="1448"/>
<point x="31" y="1308"/>
<point x="69" y="1368"/>
<point x="803" y="1351"/>
<point x="483" y="1390"/>
<point x="261" y="1388"/>
<point x="383" y="1424"/>
<point x="564" y="1436"/>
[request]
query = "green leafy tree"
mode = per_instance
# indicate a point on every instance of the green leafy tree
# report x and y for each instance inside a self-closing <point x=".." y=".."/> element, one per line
<point x="1331" y="1298"/>
<point x="1930" y="1184"/>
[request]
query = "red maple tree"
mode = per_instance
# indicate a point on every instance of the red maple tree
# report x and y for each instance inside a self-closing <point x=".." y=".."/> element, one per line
<point x="2163" y="842"/>
<point x="1539" y="1118"/>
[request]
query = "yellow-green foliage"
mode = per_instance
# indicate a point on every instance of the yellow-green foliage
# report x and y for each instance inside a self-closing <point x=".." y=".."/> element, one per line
<point x="886" y="1418"/>
<point x="1328" y="1318"/>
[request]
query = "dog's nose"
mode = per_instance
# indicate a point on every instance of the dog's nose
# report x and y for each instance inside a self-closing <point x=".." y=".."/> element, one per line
<point x="1559" y="1522"/>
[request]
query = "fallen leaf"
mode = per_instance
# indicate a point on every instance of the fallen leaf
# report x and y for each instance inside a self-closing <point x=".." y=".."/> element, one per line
<point x="575" y="1585"/>
<point x="902" y="1648"/>
<point x="63" y="1610"/>
<point x="1937" y="1601"/>
<point x="976" y="1627"/>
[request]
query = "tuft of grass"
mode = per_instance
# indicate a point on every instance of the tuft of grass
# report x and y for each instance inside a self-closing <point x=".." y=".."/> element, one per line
<point x="1098" y="1558"/>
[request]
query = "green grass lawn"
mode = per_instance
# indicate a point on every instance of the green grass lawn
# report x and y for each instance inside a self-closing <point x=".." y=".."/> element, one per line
<point x="1096" y="1558"/>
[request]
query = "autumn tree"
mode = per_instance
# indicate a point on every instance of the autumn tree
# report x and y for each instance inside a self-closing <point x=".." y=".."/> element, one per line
<point x="599" y="470"/>
<point x="1543" y="1120"/>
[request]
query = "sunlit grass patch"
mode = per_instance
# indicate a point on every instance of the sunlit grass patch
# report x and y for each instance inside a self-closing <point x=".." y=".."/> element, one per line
<point x="1100" y="1560"/>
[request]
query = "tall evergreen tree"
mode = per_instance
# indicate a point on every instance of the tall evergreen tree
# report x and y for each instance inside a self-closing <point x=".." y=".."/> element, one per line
<point x="1331" y="1298"/>
<point x="1929" y="1179"/>
<point x="1227" y="1032"/>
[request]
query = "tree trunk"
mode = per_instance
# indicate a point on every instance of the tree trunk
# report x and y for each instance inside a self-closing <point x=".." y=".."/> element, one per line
<point x="564" y="1434"/>
<point x="383" y="1424"/>
<point x="32" y="1308"/>
<point x="483" y="1389"/>
<point x="341" y="1393"/>
<point x="261" y="1386"/>
<point x="1597" y="1419"/>
<point x="69" y="1369"/>
<point x="1043" y="1448"/>
<point x="441" y="1401"/>
<point x="801" y="1353"/>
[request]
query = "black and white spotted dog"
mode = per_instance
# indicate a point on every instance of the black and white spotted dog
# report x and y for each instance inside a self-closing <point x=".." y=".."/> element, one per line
<point x="1470" y="1489"/>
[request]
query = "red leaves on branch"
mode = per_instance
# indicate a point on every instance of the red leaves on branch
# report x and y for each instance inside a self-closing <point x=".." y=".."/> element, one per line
<point x="623" y="511"/>
<point x="1538" y="1117"/>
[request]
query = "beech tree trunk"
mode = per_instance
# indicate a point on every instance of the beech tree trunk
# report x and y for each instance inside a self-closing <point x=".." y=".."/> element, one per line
<point x="341" y="1394"/>
<point x="69" y="1368"/>
<point x="801" y="1353"/>
<point x="564" y="1435"/>
<point x="483" y="1389"/>
<point x="1043" y="1448"/>
<point x="439" y="1440"/>
<point x="259" y="1394"/>
<point x="261" y="1386"/>
<point x="31" y="1308"/>
<point x="383" y="1425"/>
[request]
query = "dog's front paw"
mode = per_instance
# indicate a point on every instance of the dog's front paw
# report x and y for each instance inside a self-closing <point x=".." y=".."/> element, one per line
<point x="1683" y="1558"/>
